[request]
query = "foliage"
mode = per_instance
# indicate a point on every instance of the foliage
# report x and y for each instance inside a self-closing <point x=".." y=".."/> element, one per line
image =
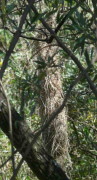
<point x="21" y="79"/>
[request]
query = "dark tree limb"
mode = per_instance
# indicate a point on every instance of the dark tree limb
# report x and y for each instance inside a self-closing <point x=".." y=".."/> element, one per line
<point x="24" y="139"/>
<point x="43" y="165"/>
<point x="27" y="37"/>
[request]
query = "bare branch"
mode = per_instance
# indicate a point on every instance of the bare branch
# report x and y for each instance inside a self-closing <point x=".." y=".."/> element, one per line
<point x="27" y="37"/>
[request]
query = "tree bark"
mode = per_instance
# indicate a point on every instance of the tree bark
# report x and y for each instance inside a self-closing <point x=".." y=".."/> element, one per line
<point x="55" y="137"/>
<point x="43" y="165"/>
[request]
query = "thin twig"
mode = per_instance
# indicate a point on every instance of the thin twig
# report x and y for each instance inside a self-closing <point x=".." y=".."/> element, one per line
<point x="3" y="164"/>
<point x="43" y="48"/>
<point x="10" y="125"/>
<point x="27" y="37"/>
<point x="17" y="169"/>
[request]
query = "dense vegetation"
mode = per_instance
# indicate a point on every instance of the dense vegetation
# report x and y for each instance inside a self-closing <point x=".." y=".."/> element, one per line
<point x="23" y="25"/>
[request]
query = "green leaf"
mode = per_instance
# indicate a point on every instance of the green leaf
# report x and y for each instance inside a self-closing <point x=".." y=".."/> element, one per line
<point x="71" y="11"/>
<point x="68" y="15"/>
<point x="36" y="16"/>
<point x="50" y="13"/>
<point x="69" y="1"/>
<point x="87" y="58"/>
<point x="79" y="43"/>
<point x="10" y="7"/>
<point x="41" y="64"/>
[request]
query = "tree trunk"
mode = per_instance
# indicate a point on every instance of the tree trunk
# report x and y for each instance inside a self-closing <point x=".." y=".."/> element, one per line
<point x="55" y="137"/>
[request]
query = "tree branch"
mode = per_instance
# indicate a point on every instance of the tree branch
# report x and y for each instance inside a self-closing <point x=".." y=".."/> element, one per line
<point x="22" y="137"/>
<point x="14" y="41"/>
<point x="27" y="37"/>
<point x="67" y="50"/>
<point x="48" y="122"/>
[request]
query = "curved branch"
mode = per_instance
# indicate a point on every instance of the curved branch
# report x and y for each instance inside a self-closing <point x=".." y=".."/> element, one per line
<point x="41" y="164"/>
<point x="14" y="41"/>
